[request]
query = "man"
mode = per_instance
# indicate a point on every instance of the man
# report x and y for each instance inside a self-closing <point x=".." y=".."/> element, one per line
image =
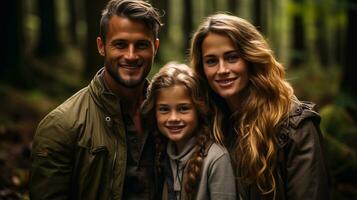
<point x="93" y="146"/>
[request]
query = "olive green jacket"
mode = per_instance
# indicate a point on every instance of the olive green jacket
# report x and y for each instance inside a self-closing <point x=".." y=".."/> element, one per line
<point x="79" y="150"/>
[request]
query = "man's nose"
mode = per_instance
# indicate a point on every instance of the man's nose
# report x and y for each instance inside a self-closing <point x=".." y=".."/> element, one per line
<point x="131" y="53"/>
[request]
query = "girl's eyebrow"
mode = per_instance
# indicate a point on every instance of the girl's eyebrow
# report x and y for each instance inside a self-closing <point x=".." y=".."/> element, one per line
<point x="179" y="104"/>
<point x="162" y="104"/>
<point x="186" y="103"/>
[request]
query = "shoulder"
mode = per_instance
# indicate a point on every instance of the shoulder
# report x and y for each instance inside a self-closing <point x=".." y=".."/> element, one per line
<point x="301" y="111"/>
<point x="64" y="117"/>
<point x="216" y="152"/>
<point x="303" y="121"/>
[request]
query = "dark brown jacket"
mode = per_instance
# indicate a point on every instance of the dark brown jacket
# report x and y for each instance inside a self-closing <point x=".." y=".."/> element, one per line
<point x="302" y="171"/>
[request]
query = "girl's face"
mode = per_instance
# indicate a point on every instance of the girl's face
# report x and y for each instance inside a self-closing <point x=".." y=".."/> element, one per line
<point x="225" y="70"/>
<point x="176" y="115"/>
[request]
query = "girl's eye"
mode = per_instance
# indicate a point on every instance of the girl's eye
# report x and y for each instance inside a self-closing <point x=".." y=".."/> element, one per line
<point x="162" y="109"/>
<point x="184" y="109"/>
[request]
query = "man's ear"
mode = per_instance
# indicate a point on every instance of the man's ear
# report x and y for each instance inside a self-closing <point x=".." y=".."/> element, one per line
<point x="157" y="44"/>
<point x="100" y="46"/>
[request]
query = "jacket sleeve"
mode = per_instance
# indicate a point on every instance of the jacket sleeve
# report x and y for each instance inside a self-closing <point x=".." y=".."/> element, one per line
<point x="51" y="167"/>
<point x="221" y="180"/>
<point x="307" y="172"/>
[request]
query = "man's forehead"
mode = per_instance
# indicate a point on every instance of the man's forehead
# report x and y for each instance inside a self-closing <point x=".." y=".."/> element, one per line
<point x="126" y="26"/>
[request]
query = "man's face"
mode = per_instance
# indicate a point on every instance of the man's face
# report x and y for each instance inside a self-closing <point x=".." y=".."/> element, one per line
<point x="128" y="51"/>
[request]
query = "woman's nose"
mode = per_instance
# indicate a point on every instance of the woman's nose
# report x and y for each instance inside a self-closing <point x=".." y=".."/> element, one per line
<point x="222" y="68"/>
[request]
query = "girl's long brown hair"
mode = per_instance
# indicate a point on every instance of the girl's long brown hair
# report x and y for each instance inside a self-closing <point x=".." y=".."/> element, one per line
<point x="170" y="75"/>
<point x="264" y="103"/>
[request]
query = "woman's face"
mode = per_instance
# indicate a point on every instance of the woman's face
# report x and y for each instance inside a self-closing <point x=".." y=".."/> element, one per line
<point x="225" y="70"/>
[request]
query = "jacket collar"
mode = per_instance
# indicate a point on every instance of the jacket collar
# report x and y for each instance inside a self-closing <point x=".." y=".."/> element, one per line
<point x="105" y="99"/>
<point x="300" y="110"/>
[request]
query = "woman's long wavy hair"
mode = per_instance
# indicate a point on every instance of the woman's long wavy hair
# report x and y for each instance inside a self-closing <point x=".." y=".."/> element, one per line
<point x="173" y="74"/>
<point x="264" y="103"/>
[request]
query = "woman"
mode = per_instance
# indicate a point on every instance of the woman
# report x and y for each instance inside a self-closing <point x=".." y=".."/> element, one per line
<point x="273" y="138"/>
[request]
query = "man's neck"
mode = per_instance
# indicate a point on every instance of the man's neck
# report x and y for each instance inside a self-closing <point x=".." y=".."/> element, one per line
<point x="131" y="98"/>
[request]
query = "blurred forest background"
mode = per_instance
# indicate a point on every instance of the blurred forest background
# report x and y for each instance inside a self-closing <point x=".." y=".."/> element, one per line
<point x="49" y="51"/>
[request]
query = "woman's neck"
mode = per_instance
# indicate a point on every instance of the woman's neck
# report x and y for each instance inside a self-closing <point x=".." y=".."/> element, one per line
<point x="233" y="103"/>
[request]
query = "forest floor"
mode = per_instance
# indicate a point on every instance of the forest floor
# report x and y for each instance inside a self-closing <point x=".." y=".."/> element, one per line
<point x="44" y="85"/>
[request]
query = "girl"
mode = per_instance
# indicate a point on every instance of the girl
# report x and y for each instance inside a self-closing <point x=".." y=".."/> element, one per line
<point x="273" y="138"/>
<point x="193" y="166"/>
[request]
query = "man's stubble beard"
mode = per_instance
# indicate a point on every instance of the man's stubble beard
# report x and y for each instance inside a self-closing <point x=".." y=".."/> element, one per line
<point x="113" y="72"/>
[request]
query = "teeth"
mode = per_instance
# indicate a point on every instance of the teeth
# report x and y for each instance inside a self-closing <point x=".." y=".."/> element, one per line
<point x="130" y="67"/>
<point x="225" y="82"/>
<point x="175" y="129"/>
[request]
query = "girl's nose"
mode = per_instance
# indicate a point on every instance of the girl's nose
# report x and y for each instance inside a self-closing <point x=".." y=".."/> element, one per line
<point x="173" y="117"/>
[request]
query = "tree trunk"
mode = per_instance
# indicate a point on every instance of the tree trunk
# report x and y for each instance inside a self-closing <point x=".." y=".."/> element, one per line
<point x="259" y="15"/>
<point x="164" y="8"/>
<point x="93" y="14"/>
<point x="321" y="39"/>
<point x="187" y="24"/>
<point x="72" y="21"/>
<point x="233" y="4"/>
<point x="214" y="5"/>
<point x="11" y="56"/>
<point x="298" y="56"/>
<point x="48" y="39"/>
<point x="349" y="80"/>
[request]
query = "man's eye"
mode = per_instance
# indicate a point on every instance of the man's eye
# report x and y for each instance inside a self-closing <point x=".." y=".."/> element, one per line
<point x="143" y="45"/>
<point x="120" y="45"/>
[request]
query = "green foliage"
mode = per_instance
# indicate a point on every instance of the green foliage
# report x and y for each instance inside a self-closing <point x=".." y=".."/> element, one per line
<point x="315" y="83"/>
<point x="340" y="132"/>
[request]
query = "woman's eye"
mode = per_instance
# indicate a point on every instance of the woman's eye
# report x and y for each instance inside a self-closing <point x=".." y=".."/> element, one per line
<point x="232" y="58"/>
<point x="210" y="62"/>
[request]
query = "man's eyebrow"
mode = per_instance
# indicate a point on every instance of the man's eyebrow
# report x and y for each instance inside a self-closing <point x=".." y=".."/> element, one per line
<point x="118" y="40"/>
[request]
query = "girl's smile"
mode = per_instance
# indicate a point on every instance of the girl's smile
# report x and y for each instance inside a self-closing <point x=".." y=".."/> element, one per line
<point x="176" y="115"/>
